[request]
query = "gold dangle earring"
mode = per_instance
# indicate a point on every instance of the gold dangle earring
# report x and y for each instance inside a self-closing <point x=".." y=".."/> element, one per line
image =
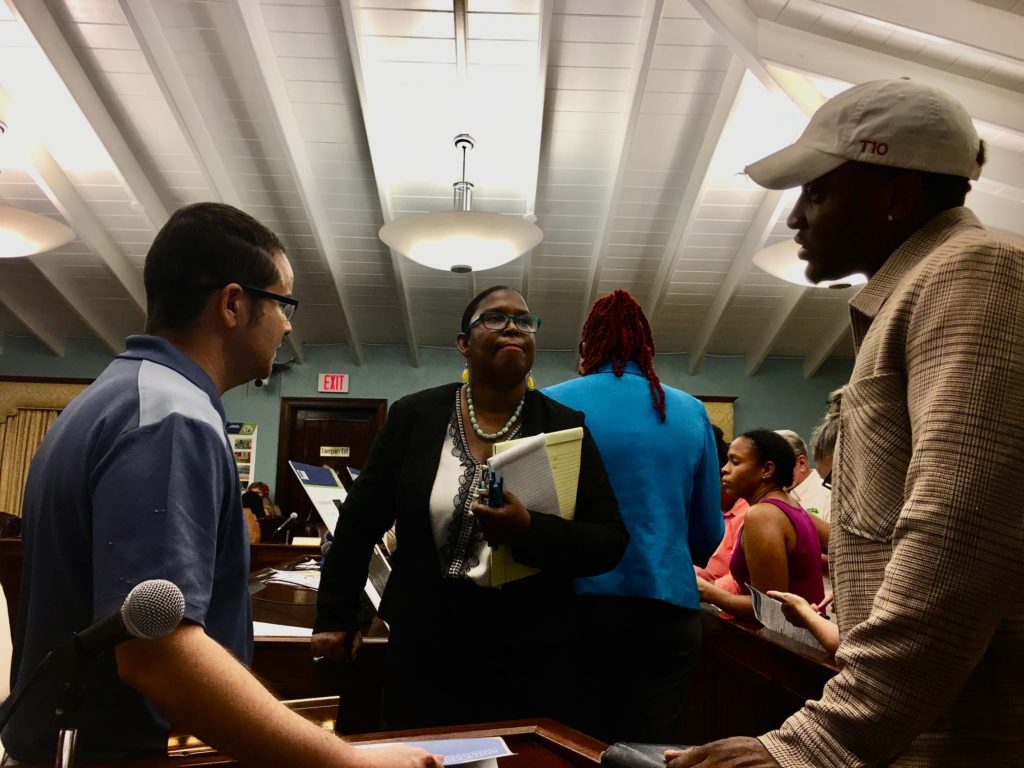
<point x="465" y="374"/>
<point x="530" y="383"/>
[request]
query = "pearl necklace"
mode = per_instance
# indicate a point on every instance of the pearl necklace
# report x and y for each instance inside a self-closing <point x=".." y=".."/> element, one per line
<point x="476" y="427"/>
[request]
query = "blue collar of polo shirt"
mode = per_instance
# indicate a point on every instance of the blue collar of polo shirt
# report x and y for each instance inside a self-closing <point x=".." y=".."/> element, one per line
<point x="631" y="368"/>
<point x="159" y="350"/>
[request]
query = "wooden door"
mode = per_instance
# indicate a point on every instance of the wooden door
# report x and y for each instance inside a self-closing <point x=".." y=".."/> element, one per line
<point x="312" y="429"/>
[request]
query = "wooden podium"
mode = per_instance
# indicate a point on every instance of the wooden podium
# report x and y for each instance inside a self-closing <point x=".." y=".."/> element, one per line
<point x="536" y="743"/>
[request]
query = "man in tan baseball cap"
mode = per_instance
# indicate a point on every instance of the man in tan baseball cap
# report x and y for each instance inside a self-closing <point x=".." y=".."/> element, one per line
<point x="927" y="556"/>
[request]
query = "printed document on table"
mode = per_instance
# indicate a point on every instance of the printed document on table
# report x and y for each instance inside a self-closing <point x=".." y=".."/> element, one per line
<point x="768" y="611"/>
<point x="472" y="753"/>
<point x="304" y="579"/>
<point x="543" y="472"/>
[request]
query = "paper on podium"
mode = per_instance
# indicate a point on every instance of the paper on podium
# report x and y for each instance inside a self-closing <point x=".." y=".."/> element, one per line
<point x="543" y="472"/>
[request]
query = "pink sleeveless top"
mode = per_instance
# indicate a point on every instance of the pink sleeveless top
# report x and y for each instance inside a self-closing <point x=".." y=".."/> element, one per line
<point x="804" y="562"/>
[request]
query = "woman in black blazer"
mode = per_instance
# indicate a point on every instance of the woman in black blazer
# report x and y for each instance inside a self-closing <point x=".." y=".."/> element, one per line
<point x="460" y="651"/>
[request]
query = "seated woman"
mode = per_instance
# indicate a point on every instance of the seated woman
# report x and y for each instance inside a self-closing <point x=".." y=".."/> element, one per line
<point x="733" y="511"/>
<point x="778" y="546"/>
<point x="459" y="650"/>
<point x="797" y="610"/>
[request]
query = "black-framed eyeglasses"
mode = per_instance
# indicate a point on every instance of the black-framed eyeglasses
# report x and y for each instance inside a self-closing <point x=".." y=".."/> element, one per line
<point x="287" y="304"/>
<point x="498" y="321"/>
<point x="826" y="481"/>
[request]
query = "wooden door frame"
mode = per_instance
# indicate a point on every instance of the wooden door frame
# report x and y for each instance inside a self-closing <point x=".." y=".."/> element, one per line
<point x="289" y="407"/>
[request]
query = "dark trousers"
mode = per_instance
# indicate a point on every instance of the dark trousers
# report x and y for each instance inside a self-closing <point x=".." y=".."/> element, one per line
<point x="456" y="682"/>
<point x="636" y="656"/>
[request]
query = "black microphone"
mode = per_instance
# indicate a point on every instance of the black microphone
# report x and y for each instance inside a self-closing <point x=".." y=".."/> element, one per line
<point x="152" y="609"/>
<point x="291" y="519"/>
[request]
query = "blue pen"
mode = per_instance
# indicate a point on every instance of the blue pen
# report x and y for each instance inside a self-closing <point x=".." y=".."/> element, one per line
<point x="495" y="498"/>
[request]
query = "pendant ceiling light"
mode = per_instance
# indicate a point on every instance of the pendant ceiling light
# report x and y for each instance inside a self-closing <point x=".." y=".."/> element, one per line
<point x="462" y="240"/>
<point x="782" y="260"/>
<point x="23" y="233"/>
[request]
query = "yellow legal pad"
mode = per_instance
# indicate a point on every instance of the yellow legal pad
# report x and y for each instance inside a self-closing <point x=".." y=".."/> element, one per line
<point x="563" y="451"/>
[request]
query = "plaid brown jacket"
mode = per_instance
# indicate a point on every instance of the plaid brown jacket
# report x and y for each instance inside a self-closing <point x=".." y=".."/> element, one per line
<point x="927" y="544"/>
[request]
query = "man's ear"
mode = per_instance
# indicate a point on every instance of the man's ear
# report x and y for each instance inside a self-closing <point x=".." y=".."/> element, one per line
<point x="905" y="194"/>
<point x="230" y="307"/>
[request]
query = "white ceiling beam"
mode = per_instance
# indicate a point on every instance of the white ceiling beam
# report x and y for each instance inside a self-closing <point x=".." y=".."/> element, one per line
<point x="971" y="24"/>
<point x="44" y="29"/>
<point x="689" y="204"/>
<point x="823" y="56"/>
<point x="378" y="152"/>
<point x="1005" y="166"/>
<point x="773" y="329"/>
<point x="535" y="137"/>
<point x="149" y="34"/>
<point x="736" y="24"/>
<point x="60" y="191"/>
<point x="188" y="117"/>
<point x="28" y="313"/>
<point x="650" y="21"/>
<point x="110" y="333"/>
<point x="274" y="88"/>
<point x="757" y="233"/>
<point x="830" y="337"/>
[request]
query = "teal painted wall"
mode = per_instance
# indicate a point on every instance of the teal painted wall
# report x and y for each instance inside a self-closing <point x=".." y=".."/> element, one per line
<point x="777" y="396"/>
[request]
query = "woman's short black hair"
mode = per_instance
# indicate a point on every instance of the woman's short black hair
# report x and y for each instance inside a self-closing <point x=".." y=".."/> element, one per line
<point x="467" y="316"/>
<point x="773" y="447"/>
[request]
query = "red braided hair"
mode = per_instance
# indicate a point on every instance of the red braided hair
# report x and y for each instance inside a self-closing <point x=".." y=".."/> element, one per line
<point x="617" y="332"/>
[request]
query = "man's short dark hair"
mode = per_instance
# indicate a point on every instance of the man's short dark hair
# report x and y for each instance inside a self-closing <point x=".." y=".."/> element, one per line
<point x="200" y="249"/>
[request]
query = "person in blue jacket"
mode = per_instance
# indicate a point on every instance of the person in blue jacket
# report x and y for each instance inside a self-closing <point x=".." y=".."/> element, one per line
<point x="660" y="454"/>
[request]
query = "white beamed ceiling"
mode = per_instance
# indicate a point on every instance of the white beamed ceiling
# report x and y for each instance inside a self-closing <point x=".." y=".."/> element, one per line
<point x="621" y="125"/>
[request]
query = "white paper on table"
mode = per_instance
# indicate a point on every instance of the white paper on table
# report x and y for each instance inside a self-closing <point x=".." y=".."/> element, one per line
<point x="267" y="629"/>
<point x="526" y="471"/>
<point x="480" y="752"/>
<point x="305" y="579"/>
<point x="768" y="611"/>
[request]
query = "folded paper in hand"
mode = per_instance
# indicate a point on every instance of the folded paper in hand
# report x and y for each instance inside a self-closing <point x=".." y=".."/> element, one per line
<point x="768" y="611"/>
<point x="543" y="472"/>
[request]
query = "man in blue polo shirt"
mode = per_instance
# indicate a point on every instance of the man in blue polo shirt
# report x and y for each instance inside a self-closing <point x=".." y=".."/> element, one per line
<point x="136" y="481"/>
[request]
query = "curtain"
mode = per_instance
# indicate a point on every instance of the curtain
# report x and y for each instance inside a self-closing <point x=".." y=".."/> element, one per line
<point x="20" y="436"/>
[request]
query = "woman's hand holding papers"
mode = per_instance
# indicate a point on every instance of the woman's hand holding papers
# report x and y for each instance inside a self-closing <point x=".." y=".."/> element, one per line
<point x="801" y="613"/>
<point x="796" y="609"/>
<point x="341" y="646"/>
<point x="508" y="524"/>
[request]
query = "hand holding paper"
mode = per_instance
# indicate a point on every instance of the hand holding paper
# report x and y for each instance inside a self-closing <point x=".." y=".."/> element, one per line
<point x="507" y="524"/>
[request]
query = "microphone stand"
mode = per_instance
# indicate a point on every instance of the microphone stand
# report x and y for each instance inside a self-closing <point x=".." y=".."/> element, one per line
<point x="66" y="663"/>
<point x="282" y="527"/>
